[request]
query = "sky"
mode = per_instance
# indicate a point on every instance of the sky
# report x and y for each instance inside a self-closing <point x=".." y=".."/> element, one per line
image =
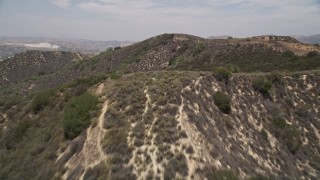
<point x="140" y="19"/>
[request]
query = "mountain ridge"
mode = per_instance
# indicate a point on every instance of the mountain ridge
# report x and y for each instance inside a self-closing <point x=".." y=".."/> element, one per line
<point x="172" y="106"/>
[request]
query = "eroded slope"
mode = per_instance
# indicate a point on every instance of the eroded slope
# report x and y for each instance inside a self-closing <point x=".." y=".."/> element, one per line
<point x="165" y="125"/>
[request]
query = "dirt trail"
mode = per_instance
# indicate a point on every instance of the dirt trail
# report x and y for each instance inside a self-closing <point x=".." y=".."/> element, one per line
<point x="151" y="149"/>
<point x="92" y="153"/>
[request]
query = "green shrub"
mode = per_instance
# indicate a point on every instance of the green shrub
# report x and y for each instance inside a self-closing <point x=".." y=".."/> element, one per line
<point x="264" y="134"/>
<point x="262" y="85"/>
<point x="41" y="100"/>
<point x="222" y="73"/>
<point x="85" y="81"/>
<point x="165" y="128"/>
<point x="289" y="55"/>
<point x="116" y="142"/>
<point x="233" y="68"/>
<point x="165" y="38"/>
<point x="275" y="77"/>
<point x="76" y="115"/>
<point x="222" y="101"/>
<point x="198" y="49"/>
<point x="289" y="134"/>
<point x="9" y="102"/>
<point x="279" y="122"/>
<point x="21" y="128"/>
<point x="115" y="75"/>
<point x="302" y="110"/>
<point x="312" y="54"/>
<point x="292" y="139"/>
<point x="113" y="118"/>
<point x="177" y="164"/>
<point x="173" y="61"/>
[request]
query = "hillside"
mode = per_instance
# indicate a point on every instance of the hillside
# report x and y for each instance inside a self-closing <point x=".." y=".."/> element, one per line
<point x="158" y="124"/>
<point x="33" y="64"/>
<point x="185" y="52"/>
<point x="173" y="106"/>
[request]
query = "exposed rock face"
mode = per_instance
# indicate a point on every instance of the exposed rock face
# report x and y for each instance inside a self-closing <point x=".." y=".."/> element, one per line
<point x="32" y="64"/>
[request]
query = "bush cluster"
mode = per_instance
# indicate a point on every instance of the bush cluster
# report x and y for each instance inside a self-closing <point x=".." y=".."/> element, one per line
<point x="222" y="101"/>
<point x="176" y="165"/>
<point x="115" y="75"/>
<point x="221" y="73"/>
<point x="262" y="85"/>
<point x="41" y="100"/>
<point x="76" y="115"/>
<point x="288" y="133"/>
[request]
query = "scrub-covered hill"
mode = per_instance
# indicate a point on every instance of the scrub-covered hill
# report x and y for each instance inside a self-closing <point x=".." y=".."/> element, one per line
<point x="170" y="107"/>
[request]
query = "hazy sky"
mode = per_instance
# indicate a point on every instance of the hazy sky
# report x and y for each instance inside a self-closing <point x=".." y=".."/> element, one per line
<point x="141" y="19"/>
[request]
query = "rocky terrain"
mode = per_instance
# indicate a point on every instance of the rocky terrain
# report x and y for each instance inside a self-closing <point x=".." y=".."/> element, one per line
<point x="174" y="106"/>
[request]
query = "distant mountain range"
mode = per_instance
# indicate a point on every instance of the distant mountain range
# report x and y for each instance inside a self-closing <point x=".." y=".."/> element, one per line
<point x="313" y="39"/>
<point x="12" y="45"/>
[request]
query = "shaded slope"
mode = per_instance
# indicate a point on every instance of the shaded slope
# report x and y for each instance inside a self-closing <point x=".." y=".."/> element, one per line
<point x="30" y="64"/>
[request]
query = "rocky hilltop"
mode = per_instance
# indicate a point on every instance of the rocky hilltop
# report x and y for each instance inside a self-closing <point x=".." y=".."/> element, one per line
<point x="174" y="106"/>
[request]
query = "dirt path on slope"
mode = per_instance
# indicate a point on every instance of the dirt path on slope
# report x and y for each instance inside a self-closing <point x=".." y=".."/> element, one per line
<point x="92" y="153"/>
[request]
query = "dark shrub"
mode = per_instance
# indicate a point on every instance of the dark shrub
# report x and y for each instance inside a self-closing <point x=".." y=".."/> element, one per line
<point x="288" y="54"/>
<point x="177" y="164"/>
<point x="279" y="122"/>
<point x="275" y="77"/>
<point x="222" y="101"/>
<point x="262" y="85"/>
<point x="21" y="128"/>
<point x="113" y="118"/>
<point x="292" y="139"/>
<point x="76" y="115"/>
<point x="164" y="39"/>
<point x="115" y="75"/>
<point x="41" y="100"/>
<point x="222" y="73"/>
<point x="288" y="134"/>
<point x="189" y="149"/>
<point x="312" y="54"/>
<point x="264" y="134"/>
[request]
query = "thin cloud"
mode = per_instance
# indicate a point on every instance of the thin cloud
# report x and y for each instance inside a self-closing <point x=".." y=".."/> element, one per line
<point x="140" y="19"/>
<point x="62" y="3"/>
